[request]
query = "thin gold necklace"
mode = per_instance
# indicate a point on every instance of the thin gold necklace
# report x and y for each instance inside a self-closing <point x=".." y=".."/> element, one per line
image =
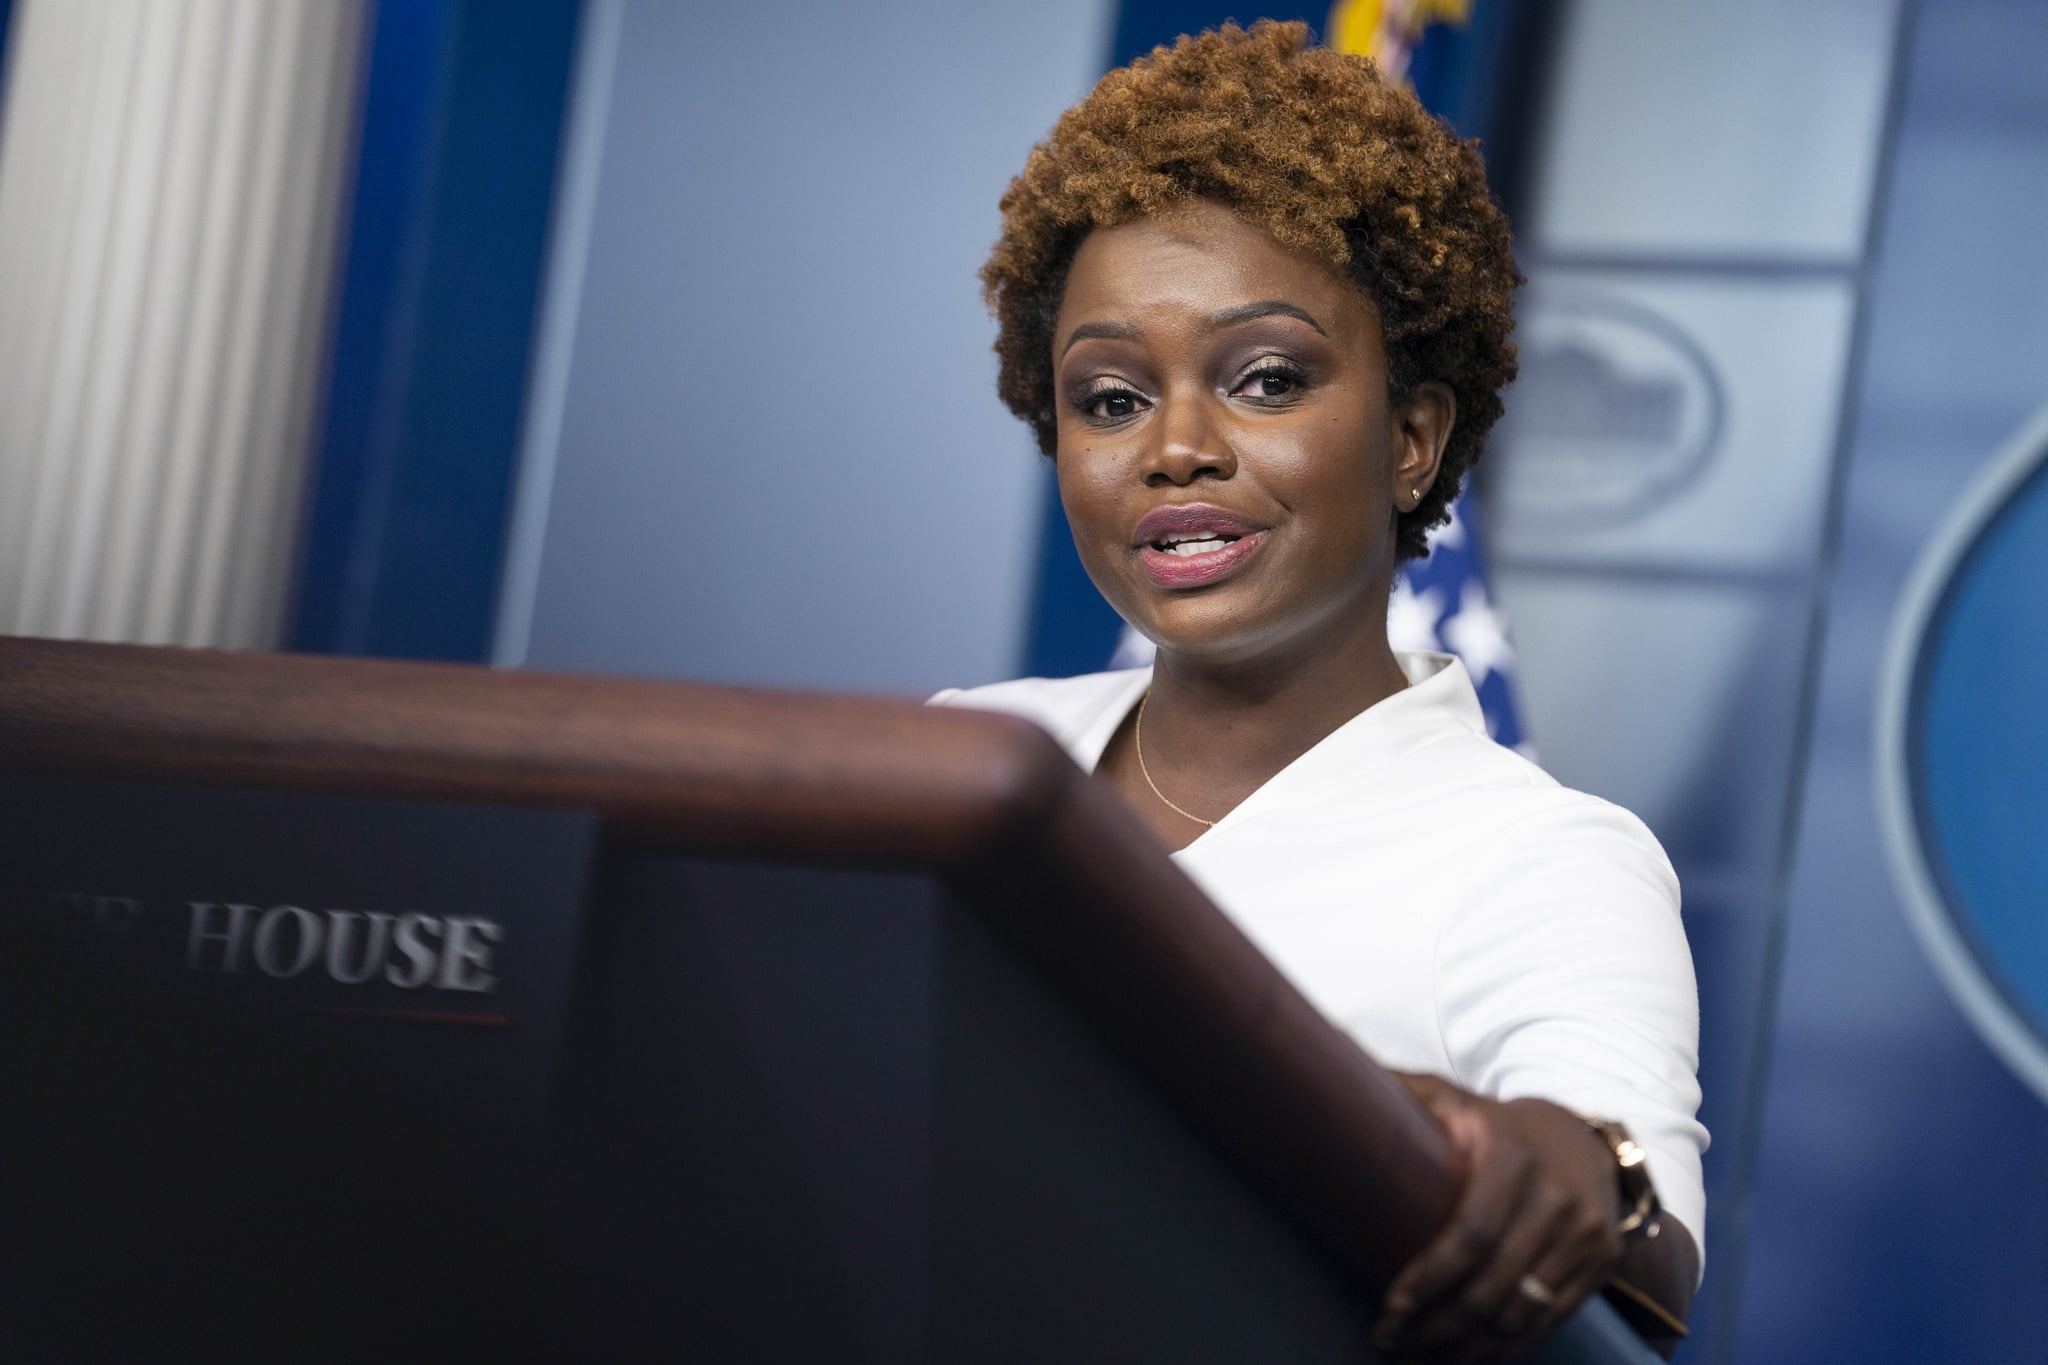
<point x="1148" y="772"/>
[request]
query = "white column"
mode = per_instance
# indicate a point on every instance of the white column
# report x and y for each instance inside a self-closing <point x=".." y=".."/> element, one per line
<point x="169" y="183"/>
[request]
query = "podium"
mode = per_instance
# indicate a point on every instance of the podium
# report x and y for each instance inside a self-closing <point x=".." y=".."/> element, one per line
<point x="369" y="1009"/>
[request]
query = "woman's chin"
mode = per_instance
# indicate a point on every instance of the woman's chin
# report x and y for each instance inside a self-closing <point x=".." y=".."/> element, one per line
<point x="1225" y="636"/>
<point x="1228" y="644"/>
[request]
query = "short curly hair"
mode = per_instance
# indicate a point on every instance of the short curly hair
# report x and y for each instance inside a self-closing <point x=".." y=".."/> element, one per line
<point x="1313" y="146"/>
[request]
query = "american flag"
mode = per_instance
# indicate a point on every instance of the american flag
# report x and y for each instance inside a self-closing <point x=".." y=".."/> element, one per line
<point x="1441" y="602"/>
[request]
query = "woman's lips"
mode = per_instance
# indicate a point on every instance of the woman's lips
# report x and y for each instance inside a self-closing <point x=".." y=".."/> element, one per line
<point x="1171" y="569"/>
<point x="1194" y="545"/>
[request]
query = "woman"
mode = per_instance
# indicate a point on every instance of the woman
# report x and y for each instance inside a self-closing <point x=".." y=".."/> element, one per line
<point x="1255" y="303"/>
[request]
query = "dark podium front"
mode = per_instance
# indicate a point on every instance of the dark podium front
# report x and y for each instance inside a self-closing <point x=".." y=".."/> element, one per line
<point x="361" y="1010"/>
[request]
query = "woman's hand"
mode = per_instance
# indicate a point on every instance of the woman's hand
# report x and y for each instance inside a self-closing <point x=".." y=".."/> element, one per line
<point x="1533" y="1235"/>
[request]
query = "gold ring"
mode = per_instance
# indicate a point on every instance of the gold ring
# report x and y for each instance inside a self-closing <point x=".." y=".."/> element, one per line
<point x="1535" y="1291"/>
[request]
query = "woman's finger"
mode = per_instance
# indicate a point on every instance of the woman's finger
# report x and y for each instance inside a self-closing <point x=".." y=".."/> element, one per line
<point x="1526" y="1281"/>
<point x="1446" y="1333"/>
<point x="1465" y="1245"/>
<point x="1490" y="1305"/>
<point x="1546" y="1293"/>
<point x="1563" y="1240"/>
<point x="1568" y="1287"/>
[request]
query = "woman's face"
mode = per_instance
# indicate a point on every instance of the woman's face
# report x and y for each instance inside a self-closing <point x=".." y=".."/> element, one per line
<point x="1227" y="455"/>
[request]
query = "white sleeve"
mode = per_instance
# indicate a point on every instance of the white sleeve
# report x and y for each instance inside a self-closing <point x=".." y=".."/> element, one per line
<point x="1562" y="973"/>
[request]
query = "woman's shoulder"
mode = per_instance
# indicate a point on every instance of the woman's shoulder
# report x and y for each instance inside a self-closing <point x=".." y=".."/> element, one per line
<point x="1503" y="795"/>
<point x="1515" y="817"/>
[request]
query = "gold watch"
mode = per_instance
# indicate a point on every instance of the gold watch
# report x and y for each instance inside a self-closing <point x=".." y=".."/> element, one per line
<point x="1638" y="1195"/>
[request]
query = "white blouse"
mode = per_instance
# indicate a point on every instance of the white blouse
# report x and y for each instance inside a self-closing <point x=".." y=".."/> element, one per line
<point x="1451" y="906"/>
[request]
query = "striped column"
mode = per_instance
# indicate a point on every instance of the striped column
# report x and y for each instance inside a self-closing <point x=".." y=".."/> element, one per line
<point x="169" y="176"/>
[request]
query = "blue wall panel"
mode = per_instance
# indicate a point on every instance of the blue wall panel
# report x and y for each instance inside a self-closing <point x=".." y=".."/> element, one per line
<point x="455" y="185"/>
<point x="1900" y="1210"/>
<point x="6" y="14"/>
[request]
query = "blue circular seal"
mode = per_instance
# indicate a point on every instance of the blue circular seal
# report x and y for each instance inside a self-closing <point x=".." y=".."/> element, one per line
<point x="1962" y="753"/>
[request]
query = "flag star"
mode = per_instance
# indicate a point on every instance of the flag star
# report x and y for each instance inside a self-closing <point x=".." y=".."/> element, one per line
<point x="1451" y="534"/>
<point x="1475" y="634"/>
<point x="1412" y="616"/>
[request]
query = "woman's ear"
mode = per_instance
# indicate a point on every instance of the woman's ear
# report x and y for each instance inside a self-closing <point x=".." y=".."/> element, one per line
<point x="1424" y="428"/>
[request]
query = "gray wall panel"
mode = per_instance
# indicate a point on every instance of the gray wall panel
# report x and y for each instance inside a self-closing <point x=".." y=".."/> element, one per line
<point x="781" y="459"/>
<point x="1677" y="701"/>
<point x="1742" y="128"/>
<point x="1719" y="398"/>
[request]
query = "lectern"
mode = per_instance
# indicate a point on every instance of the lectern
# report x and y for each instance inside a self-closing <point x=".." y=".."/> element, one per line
<point x="363" y="1010"/>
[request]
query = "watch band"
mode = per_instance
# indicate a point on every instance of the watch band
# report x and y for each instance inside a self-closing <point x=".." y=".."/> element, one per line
<point x="1638" y="1195"/>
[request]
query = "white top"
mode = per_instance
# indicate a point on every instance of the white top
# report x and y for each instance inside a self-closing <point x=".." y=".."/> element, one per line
<point x="1451" y="906"/>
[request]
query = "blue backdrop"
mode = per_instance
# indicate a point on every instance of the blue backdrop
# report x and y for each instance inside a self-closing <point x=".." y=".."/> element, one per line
<point x="1900" y="1204"/>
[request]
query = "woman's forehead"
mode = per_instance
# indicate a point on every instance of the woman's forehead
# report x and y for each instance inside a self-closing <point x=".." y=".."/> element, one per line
<point x="1203" y="257"/>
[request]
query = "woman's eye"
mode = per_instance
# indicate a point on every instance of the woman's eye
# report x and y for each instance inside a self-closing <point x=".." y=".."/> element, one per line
<point x="1110" y="405"/>
<point x="1272" y="381"/>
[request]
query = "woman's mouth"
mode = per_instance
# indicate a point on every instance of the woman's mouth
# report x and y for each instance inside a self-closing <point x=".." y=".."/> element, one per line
<point x="1195" y="545"/>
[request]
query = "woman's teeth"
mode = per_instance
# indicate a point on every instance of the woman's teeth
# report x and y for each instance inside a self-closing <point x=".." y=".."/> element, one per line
<point x="1209" y="545"/>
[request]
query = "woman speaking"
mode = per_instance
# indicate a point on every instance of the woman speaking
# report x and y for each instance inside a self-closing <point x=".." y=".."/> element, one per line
<point x="1255" y="303"/>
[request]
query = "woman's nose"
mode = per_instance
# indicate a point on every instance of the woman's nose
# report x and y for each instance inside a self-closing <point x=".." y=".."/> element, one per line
<point x="1189" y="441"/>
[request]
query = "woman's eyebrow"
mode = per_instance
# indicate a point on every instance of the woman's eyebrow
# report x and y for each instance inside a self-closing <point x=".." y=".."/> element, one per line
<point x="1113" y="331"/>
<point x="1229" y="317"/>
<point x="1245" y="312"/>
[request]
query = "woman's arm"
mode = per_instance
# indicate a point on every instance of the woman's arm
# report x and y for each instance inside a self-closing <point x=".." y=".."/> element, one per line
<point x="1563" y="979"/>
<point x="1535" y="1233"/>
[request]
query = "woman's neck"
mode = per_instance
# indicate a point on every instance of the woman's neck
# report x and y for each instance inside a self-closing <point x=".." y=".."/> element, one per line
<point x="1215" y="733"/>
